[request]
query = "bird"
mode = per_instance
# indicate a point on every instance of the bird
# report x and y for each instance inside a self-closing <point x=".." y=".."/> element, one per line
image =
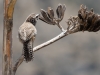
<point x="27" y="34"/>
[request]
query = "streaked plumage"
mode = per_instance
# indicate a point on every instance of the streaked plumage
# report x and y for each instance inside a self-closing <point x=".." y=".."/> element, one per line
<point x="27" y="33"/>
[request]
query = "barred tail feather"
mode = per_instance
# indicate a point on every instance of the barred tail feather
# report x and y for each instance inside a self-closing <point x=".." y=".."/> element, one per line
<point x="28" y="50"/>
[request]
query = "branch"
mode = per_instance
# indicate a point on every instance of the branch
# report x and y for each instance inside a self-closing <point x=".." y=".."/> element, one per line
<point x="61" y="35"/>
<point x="61" y="28"/>
<point x="17" y="64"/>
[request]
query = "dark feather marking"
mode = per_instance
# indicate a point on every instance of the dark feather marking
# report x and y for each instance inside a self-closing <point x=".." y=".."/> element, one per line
<point x="28" y="52"/>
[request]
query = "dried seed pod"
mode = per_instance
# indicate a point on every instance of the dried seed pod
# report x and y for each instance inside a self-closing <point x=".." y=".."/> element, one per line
<point x="97" y="26"/>
<point x="90" y="20"/>
<point x="48" y="16"/>
<point x="42" y="19"/>
<point x="92" y="10"/>
<point x="59" y="10"/>
<point x="50" y="12"/>
<point x="64" y="9"/>
<point x="80" y="16"/>
<point x="45" y="16"/>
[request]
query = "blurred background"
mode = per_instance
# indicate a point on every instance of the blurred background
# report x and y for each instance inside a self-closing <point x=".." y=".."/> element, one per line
<point x="76" y="54"/>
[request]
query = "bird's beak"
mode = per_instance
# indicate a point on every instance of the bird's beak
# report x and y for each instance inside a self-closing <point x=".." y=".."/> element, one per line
<point x="37" y="16"/>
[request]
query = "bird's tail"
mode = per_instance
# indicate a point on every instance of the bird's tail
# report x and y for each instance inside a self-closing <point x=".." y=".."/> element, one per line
<point x="28" y="50"/>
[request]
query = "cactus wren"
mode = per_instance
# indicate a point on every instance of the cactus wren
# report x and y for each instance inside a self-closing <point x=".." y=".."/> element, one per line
<point x="27" y="33"/>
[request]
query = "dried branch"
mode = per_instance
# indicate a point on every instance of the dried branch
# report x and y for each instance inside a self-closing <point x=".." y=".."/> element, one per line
<point x="7" y="37"/>
<point x="17" y="64"/>
<point x="61" y="35"/>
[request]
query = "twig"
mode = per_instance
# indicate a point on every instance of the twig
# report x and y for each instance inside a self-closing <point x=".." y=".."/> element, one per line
<point x="17" y="64"/>
<point x="60" y="27"/>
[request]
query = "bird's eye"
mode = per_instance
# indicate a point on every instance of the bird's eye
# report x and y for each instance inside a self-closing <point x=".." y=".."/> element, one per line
<point x="32" y="20"/>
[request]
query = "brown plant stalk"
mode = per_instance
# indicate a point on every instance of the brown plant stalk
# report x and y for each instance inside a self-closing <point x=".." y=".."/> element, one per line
<point x="7" y="37"/>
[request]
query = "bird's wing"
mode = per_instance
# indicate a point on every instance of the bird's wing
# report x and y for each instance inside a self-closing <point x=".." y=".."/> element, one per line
<point x="27" y="31"/>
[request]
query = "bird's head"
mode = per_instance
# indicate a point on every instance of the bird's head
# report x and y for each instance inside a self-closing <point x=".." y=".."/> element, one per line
<point x="32" y="18"/>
